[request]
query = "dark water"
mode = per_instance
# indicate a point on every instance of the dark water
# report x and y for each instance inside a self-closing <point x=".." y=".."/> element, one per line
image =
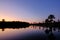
<point x="31" y="33"/>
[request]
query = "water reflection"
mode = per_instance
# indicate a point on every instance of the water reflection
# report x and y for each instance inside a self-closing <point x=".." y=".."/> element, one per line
<point x="3" y="29"/>
<point x="49" y="34"/>
<point x="31" y="32"/>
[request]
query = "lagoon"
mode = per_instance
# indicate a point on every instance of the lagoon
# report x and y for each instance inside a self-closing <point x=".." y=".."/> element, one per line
<point x="30" y="33"/>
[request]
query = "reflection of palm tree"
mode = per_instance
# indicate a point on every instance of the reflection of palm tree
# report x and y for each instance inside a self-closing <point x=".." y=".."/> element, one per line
<point x="50" y="35"/>
<point x="47" y="31"/>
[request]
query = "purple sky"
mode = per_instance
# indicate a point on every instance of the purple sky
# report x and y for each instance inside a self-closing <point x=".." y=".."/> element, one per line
<point x="28" y="10"/>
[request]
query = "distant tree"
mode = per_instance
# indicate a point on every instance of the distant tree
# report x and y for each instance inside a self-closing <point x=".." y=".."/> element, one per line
<point x="50" y="19"/>
<point x="3" y="20"/>
<point x="46" y="21"/>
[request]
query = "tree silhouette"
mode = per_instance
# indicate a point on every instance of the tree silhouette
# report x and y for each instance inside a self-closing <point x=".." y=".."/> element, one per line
<point x="46" y="21"/>
<point x="50" y="19"/>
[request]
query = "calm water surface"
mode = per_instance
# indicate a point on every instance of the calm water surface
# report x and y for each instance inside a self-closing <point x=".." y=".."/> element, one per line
<point x="31" y="32"/>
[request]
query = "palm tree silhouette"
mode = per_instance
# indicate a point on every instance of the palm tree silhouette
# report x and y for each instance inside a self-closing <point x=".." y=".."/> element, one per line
<point x="50" y="18"/>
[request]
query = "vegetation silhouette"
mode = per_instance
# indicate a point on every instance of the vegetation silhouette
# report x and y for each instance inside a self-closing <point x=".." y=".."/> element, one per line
<point x="50" y="19"/>
<point x="12" y="24"/>
<point x="49" y="32"/>
<point x="49" y="22"/>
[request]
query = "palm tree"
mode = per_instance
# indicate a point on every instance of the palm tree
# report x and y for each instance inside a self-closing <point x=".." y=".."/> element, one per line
<point x="51" y="17"/>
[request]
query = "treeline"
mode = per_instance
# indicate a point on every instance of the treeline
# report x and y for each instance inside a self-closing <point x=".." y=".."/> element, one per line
<point x="49" y="22"/>
<point x="14" y="24"/>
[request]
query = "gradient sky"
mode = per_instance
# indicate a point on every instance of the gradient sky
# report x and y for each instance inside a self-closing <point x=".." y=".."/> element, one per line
<point x="28" y="10"/>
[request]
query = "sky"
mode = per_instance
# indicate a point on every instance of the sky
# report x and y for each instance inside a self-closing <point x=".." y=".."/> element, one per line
<point x="29" y="10"/>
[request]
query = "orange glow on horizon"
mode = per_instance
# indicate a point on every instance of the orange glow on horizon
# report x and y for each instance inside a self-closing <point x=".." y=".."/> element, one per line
<point x="23" y="20"/>
<point x="10" y="17"/>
